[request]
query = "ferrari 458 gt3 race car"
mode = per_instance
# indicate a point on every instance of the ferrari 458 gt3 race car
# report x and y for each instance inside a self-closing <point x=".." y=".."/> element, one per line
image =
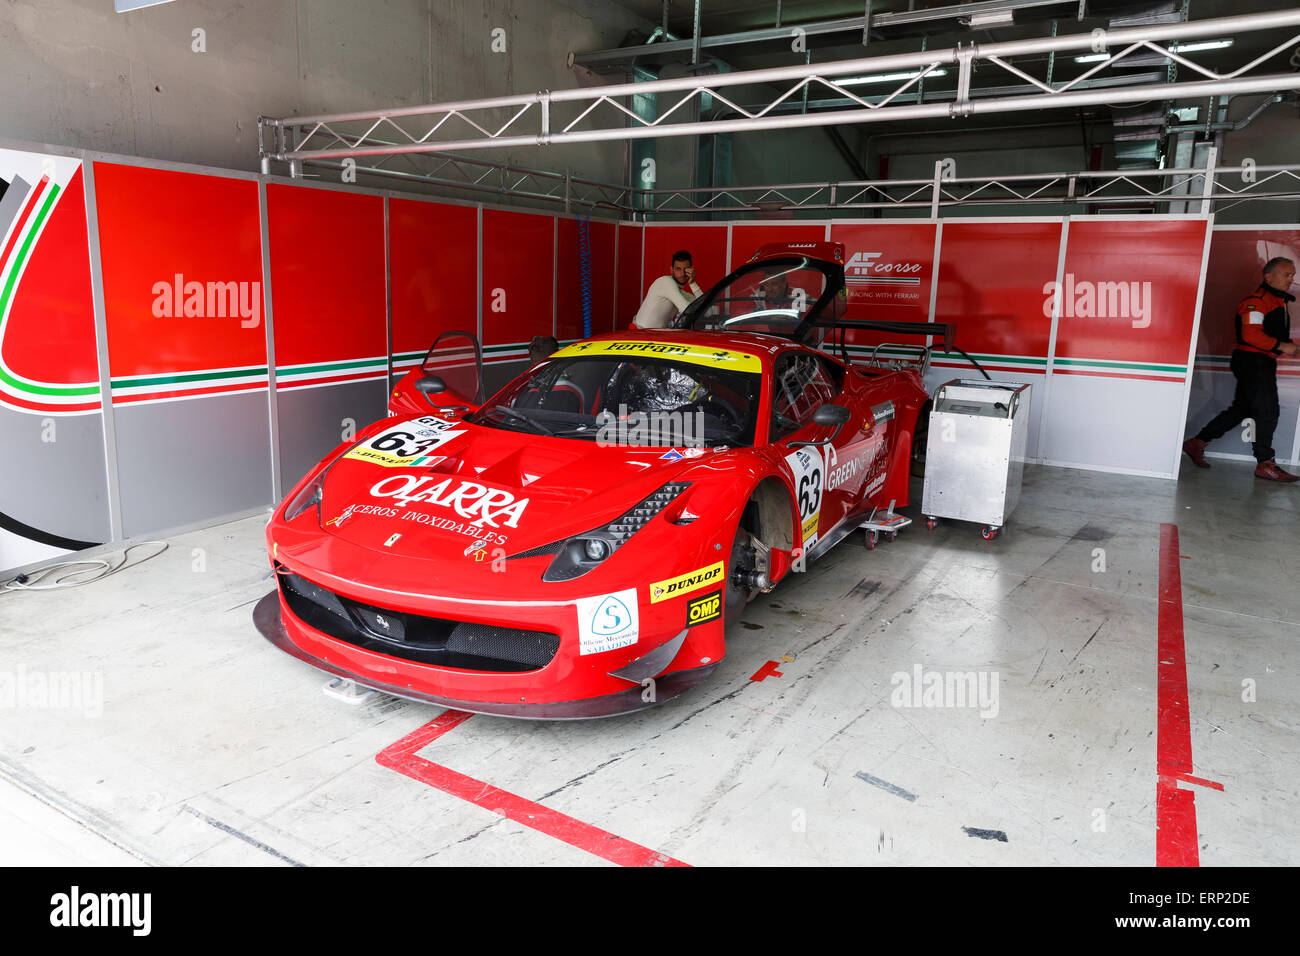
<point x="575" y="545"/>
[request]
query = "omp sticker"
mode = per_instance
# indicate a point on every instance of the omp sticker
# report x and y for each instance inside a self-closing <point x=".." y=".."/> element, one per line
<point x="607" y="621"/>
<point x="406" y="444"/>
<point x="808" y="469"/>
<point x="676" y="351"/>
<point x="685" y="583"/>
<point x="1256" y="318"/>
<point x="704" y="609"/>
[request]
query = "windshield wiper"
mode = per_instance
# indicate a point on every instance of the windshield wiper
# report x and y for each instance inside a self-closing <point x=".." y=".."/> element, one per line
<point x="519" y="417"/>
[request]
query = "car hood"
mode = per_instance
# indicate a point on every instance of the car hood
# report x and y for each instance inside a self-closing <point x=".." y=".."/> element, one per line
<point x="509" y="490"/>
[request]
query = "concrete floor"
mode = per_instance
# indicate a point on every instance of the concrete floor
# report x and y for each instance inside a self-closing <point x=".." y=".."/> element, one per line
<point x="210" y="747"/>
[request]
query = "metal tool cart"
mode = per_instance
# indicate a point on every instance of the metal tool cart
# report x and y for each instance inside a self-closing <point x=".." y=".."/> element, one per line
<point x="975" y="455"/>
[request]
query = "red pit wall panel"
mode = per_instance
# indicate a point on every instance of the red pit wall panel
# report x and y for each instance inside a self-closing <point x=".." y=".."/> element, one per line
<point x="1234" y="269"/>
<point x="746" y="240"/>
<point x="433" y="255"/>
<point x="891" y="280"/>
<point x="49" y="335"/>
<point x="1163" y="259"/>
<point x="706" y="244"/>
<point x="156" y="224"/>
<point x="518" y="260"/>
<point x="998" y="310"/>
<point x="327" y="275"/>
<point x="629" y="293"/>
<point x="569" y="280"/>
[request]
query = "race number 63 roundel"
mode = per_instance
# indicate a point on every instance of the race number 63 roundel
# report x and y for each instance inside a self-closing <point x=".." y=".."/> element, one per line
<point x="807" y="469"/>
<point x="406" y="444"/>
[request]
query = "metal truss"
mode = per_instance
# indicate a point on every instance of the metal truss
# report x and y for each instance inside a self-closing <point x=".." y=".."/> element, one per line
<point x="446" y="170"/>
<point x="603" y="113"/>
<point x="1178" y="190"/>
<point x="1194" y="189"/>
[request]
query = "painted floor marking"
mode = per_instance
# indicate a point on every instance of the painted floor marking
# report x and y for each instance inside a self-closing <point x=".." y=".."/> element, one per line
<point x="1176" y="835"/>
<point x="767" y="670"/>
<point x="402" y="757"/>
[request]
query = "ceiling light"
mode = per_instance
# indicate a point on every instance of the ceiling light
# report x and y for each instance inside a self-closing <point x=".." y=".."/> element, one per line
<point x="1176" y="48"/>
<point x="991" y="18"/>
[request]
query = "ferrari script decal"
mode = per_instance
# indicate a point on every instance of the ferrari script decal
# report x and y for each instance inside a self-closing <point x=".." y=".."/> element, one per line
<point x="685" y="583"/>
<point x="695" y="354"/>
<point x="468" y="499"/>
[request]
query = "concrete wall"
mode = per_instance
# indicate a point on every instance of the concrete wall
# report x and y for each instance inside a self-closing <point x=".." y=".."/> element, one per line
<point x="78" y="74"/>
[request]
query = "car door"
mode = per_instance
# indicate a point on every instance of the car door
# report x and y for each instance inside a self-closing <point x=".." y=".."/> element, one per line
<point x="825" y="492"/>
<point x="457" y="359"/>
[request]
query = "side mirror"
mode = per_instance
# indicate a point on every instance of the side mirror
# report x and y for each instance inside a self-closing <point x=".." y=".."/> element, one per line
<point x="433" y="385"/>
<point x="827" y="415"/>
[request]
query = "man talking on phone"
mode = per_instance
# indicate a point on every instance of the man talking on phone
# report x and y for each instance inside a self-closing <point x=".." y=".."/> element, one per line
<point x="668" y="295"/>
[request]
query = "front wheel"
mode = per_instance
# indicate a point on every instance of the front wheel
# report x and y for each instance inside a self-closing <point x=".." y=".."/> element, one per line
<point x="739" y="567"/>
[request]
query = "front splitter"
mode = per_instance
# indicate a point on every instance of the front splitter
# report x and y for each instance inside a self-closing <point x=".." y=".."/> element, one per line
<point x="266" y="617"/>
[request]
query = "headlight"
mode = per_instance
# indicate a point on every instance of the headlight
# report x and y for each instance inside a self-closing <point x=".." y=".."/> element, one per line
<point x="310" y="495"/>
<point x="314" y="490"/>
<point x="582" y="552"/>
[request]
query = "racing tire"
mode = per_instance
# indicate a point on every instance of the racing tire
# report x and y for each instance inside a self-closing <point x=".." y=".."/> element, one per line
<point x="920" y="442"/>
<point x="736" y="596"/>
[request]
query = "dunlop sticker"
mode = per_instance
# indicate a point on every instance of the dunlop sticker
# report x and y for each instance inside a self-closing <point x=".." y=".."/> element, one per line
<point x="686" y="583"/>
<point x="704" y="609"/>
<point x="674" y="351"/>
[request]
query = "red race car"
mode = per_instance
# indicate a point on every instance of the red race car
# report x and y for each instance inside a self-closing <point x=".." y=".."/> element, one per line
<point x="574" y="545"/>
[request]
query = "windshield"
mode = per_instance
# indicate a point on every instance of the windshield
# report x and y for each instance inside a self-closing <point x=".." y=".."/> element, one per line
<point x="633" y="400"/>
<point x="774" y="297"/>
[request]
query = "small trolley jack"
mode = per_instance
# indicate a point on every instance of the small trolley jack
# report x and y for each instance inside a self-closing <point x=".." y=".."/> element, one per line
<point x="889" y="524"/>
<point x="350" y="692"/>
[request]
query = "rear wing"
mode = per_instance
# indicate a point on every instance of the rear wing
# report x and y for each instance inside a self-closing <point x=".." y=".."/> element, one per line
<point x="941" y="330"/>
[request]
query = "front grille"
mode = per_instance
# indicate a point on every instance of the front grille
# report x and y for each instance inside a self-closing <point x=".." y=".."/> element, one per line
<point x="460" y="645"/>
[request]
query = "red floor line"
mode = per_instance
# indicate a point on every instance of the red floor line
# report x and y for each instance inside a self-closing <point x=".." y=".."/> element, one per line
<point x="1176" y="837"/>
<point x="401" y="757"/>
<point x="767" y="670"/>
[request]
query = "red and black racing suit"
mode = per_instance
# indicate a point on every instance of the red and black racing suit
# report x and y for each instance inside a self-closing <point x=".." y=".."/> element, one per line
<point x="1262" y="324"/>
